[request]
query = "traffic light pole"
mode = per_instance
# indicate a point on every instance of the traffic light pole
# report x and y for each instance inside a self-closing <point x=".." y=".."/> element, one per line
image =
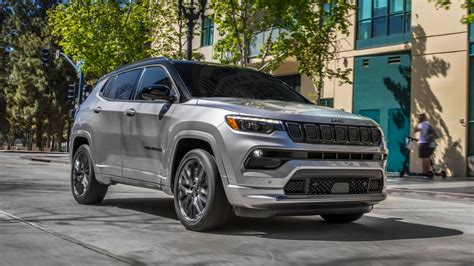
<point x="80" y="75"/>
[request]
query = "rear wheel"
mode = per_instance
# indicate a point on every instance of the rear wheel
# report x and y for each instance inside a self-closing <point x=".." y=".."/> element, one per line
<point x="199" y="197"/>
<point x="84" y="186"/>
<point x="342" y="218"/>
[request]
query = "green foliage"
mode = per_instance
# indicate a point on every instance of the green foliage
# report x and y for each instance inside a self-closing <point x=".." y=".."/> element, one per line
<point x="307" y="32"/>
<point x="105" y="35"/>
<point x="32" y="93"/>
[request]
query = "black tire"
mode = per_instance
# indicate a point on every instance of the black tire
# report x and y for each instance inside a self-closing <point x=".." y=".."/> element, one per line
<point x="342" y="218"/>
<point x="94" y="192"/>
<point x="189" y="188"/>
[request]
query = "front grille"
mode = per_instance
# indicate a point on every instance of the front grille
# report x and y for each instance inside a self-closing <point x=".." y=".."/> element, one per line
<point x="324" y="186"/>
<point x="333" y="134"/>
<point x="296" y="186"/>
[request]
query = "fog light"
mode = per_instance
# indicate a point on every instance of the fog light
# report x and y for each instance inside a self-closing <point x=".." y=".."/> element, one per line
<point x="257" y="153"/>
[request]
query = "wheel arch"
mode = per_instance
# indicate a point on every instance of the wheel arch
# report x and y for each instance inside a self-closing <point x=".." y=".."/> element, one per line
<point x="187" y="141"/>
<point x="78" y="139"/>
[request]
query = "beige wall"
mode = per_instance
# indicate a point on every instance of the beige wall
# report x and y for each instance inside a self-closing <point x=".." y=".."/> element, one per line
<point x="439" y="80"/>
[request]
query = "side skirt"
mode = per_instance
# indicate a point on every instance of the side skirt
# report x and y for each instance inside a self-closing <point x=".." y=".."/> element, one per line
<point x="112" y="180"/>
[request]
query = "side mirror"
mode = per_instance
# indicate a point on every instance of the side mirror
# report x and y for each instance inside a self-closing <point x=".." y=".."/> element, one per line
<point x="156" y="92"/>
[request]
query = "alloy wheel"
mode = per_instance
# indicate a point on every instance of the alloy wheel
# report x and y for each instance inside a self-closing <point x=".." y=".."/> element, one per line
<point x="81" y="174"/>
<point x="192" y="190"/>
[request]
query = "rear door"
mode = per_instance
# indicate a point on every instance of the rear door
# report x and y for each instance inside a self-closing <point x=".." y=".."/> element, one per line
<point x="109" y="113"/>
<point x="145" y="130"/>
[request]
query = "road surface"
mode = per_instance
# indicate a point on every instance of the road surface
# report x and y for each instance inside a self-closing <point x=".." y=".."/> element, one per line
<point x="41" y="224"/>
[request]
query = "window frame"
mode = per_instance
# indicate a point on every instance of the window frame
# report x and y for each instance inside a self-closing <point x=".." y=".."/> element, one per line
<point x="264" y="33"/>
<point x="103" y="95"/>
<point x="173" y="88"/>
<point x="207" y="31"/>
<point x="293" y="76"/>
<point x="388" y="38"/>
<point x="329" y="102"/>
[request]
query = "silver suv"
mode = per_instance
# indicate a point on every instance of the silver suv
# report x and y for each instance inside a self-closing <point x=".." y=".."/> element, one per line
<point x="224" y="140"/>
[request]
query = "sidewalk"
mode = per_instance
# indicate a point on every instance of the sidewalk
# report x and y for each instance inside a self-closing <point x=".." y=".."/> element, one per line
<point x="439" y="188"/>
<point x="47" y="157"/>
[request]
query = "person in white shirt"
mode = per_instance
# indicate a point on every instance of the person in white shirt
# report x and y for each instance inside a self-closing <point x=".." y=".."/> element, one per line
<point x="426" y="147"/>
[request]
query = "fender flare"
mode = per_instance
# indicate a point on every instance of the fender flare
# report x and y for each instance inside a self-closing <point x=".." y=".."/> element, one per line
<point x="196" y="135"/>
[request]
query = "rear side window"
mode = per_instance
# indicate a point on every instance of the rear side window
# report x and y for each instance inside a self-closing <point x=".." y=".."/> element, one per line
<point x="153" y="76"/>
<point x="106" y="89"/>
<point x="123" y="86"/>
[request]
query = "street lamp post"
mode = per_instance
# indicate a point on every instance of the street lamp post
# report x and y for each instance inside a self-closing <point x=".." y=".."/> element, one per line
<point x="191" y="13"/>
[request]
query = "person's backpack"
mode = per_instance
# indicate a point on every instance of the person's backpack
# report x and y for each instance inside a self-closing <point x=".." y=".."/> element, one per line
<point x="432" y="133"/>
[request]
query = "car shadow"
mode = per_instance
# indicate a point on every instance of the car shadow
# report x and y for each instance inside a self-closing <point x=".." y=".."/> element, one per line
<point x="311" y="228"/>
<point x="163" y="207"/>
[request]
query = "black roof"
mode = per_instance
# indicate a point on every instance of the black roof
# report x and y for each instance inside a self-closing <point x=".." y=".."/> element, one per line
<point x="164" y="61"/>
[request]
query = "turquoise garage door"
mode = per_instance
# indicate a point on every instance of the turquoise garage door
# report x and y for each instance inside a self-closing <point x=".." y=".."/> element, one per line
<point x="382" y="92"/>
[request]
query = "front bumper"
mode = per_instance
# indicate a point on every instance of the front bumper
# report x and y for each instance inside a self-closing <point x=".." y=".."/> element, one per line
<point x="261" y="192"/>
<point x="270" y="202"/>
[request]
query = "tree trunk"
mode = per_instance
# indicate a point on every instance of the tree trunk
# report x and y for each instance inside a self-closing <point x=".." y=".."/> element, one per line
<point x="29" y="139"/>
<point x="39" y="136"/>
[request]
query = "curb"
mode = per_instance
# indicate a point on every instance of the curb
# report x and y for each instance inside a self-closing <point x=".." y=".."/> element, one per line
<point x="429" y="193"/>
<point x="44" y="160"/>
<point x="25" y="151"/>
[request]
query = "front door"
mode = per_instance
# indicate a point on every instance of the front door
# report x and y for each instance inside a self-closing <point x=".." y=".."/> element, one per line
<point x="145" y="131"/>
<point x="382" y="92"/>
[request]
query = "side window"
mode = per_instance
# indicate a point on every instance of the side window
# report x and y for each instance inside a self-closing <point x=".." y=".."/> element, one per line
<point x="124" y="85"/>
<point x="106" y="89"/>
<point x="153" y="76"/>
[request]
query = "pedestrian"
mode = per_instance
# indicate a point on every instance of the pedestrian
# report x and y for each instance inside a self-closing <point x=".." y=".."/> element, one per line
<point x="427" y="141"/>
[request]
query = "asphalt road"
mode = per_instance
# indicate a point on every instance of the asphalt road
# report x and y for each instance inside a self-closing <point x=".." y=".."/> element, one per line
<point x="41" y="224"/>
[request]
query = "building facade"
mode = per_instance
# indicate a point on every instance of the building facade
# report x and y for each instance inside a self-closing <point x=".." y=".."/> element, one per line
<point x="407" y="57"/>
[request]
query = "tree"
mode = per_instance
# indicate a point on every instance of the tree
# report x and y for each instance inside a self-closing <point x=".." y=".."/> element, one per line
<point x="32" y="91"/>
<point x="468" y="4"/>
<point x="307" y="30"/>
<point x="105" y="34"/>
<point x="3" y="73"/>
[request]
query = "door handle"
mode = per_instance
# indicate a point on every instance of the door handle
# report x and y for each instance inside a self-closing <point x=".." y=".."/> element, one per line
<point x="130" y="112"/>
<point x="97" y="110"/>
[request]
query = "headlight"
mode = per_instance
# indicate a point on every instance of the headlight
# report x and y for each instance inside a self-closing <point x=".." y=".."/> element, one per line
<point x="253" y="124"/>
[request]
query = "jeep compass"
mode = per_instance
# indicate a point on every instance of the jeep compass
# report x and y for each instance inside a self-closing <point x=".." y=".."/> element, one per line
<point x="224" y="140"/>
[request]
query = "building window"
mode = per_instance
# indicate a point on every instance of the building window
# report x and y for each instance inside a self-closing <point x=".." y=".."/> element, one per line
<point x="383" y="22"/>
<point x="294" y="81"/>
<point x="328" y="102"/>
<point x="259" y="38"/>
<point x="207" y="31"/>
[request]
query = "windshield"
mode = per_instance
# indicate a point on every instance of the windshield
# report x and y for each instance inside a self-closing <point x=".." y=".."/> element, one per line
<point x="223" y="81"/>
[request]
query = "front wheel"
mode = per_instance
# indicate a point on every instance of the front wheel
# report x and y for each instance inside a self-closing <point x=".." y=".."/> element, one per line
<point x="342" y="218"/>
<point x="199" y="198"/>
<point x="84" y="186"/>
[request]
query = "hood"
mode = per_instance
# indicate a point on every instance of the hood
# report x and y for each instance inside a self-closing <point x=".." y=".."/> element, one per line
<point x="286" y="111"/>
